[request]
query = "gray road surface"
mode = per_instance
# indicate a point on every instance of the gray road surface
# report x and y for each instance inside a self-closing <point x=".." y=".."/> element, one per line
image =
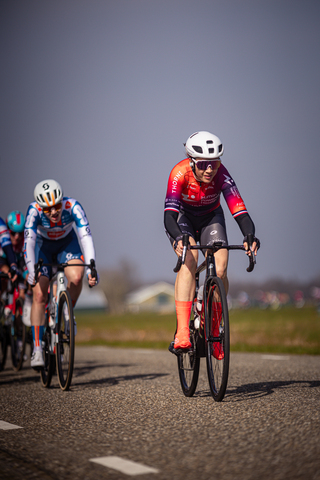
<point x="128" y="404"/>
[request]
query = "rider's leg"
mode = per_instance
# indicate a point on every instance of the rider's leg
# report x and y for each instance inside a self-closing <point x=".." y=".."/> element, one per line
<point x="221" y="260"/>
<point x="40" y="292"/>
<point x="184" y="294"/>
<point x="74" y="276"/>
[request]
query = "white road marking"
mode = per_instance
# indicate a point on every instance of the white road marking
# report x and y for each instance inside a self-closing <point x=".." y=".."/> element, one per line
<point x="124" y="466"/>
<point x="7" y="426"/>
<point x="274" y="357"/>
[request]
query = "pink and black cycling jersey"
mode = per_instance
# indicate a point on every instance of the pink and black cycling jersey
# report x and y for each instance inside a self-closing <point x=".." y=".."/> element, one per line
<point x="38" y="224"/>
<point x="188" y="195"/>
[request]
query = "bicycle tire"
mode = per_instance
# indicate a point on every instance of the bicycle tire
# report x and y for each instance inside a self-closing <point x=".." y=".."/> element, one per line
<point x="217" y="338"/>
<point x="65" y="345"/>
<point x="189" y="364"/>
<point x="47" y="372"/>
<point x="17" y="336"/>
<point x="3" y="344"/>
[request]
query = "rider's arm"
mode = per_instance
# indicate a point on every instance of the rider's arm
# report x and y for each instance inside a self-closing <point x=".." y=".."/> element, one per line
<point x="29" y="253"/>
<point x="246" y="224"/>
<point x="171" y="224"/>
<point x="30" y="236"/>
<point x="237" y="206"/>
<point x="8" y="250"/>
<point x="173" y="201"/>
<point x="84" y="233"/>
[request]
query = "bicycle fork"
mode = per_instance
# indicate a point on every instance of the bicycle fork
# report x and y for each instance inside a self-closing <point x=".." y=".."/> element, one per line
<point x="54" y="311"/>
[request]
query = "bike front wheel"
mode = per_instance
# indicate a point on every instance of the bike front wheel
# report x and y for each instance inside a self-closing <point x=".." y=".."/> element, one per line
<point x="189" y="365"/>
<point x="47" y="372"/>
<point x="217" y="338"/>
<point x="18" y="336"/>
<point x="3" y="344"/>
<point x="65" y="345"/>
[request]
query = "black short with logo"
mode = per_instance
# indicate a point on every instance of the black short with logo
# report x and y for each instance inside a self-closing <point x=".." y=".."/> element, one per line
<point x="205" y="229"/>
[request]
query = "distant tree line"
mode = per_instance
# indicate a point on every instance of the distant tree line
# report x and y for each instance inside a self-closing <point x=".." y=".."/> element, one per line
<point x="276" y="284"/>
<point x="117" y="282"/>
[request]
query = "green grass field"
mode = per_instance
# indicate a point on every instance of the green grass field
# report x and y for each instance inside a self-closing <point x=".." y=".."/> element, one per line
<point x="288" y="330"/>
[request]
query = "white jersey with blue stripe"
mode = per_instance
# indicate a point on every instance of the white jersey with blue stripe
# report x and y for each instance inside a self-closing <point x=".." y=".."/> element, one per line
<point x="37" y="223"/>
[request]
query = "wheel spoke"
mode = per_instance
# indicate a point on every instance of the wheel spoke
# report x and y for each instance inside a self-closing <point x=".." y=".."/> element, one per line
<point x="189" y="365"/>
<point x="65" y="346"/>
<point x="217" y="338"/>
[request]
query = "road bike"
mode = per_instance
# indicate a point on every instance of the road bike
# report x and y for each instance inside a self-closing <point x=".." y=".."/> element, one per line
<point x="58" y="342"/>
<point x="13" y="331"/>
<point x="209" y="327"/>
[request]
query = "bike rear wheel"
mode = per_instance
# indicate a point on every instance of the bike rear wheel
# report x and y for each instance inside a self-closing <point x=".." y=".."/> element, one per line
<point x="189" y="365"/>
<point x="3" y="344"/>
<point x="65" y="345"/>
<point x="18" y="336"/>
<point x="217" y="338"/>
<point x="47" y="372"/>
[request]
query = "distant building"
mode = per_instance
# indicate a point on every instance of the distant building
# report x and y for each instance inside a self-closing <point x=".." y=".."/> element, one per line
<point x="157" y="298"/>
<point x="92" y="299"/>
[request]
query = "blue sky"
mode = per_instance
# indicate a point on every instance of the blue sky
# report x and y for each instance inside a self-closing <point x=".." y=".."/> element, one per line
<point x="101" y="96"/>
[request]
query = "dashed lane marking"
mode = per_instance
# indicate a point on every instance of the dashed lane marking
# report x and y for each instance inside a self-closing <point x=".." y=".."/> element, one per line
<point x="7" y="426"/>
<point x="124" y="466"/>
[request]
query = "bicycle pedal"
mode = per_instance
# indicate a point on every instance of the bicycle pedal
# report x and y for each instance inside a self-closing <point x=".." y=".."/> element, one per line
<point x="179" y="351"/>
<point x="37" y="369"/>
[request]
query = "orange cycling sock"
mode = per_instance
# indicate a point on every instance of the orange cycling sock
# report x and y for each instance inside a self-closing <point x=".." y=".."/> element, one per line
<point x="37" y="334"/>
<point x="183" y="310"/>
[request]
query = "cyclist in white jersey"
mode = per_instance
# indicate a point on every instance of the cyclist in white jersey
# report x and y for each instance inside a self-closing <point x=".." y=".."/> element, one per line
<point x="49" y="234"/>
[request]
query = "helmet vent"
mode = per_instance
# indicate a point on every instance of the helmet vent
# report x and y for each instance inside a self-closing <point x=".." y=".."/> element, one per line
<point x="40" y="198"/>
<point x="220" y="147"/>
<point x="209" y="142"/>
<point x="197" y="149"/>
<point x="211" y="150"/>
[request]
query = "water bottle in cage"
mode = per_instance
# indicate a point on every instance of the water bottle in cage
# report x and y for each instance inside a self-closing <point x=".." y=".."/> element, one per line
<point x="198" y="307"/>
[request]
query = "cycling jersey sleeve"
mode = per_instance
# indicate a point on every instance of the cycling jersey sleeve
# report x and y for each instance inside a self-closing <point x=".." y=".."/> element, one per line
<point x="84" y="232"/>
<point x="246" y="224"/>
<point x="30" y="238"/>
<point x="8" y="250"/>
<point x="171" y="224"/>
<point x="231" y="193"/>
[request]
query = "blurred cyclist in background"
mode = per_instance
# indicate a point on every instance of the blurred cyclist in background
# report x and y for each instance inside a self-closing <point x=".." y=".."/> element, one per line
<point x="8" y="262"/>
<point x="15" y="224"/>
<point x="49" y="235"/>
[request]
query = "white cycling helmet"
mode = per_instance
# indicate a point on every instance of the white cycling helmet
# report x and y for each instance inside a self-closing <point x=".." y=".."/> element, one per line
<point x="204" y="145"/>
<point x="48" y="193"/>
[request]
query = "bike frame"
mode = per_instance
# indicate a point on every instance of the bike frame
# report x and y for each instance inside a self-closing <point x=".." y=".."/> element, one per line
<point x="52" y="306"/>
<point x="53" y="298"/>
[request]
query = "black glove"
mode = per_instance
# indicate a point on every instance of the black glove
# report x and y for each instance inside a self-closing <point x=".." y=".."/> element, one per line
<point x="254" y="239"/>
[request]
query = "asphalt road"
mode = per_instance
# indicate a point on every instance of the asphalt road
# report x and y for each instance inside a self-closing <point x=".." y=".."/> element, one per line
<point x="128" y="404"/>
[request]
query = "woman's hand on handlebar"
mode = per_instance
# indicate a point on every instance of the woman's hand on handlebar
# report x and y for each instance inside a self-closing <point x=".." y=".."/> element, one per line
<point x="13" y="272"/>
<point x="178" y="248"/>
<point x="91" y="280"/>
<point x="251" y="244"/>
